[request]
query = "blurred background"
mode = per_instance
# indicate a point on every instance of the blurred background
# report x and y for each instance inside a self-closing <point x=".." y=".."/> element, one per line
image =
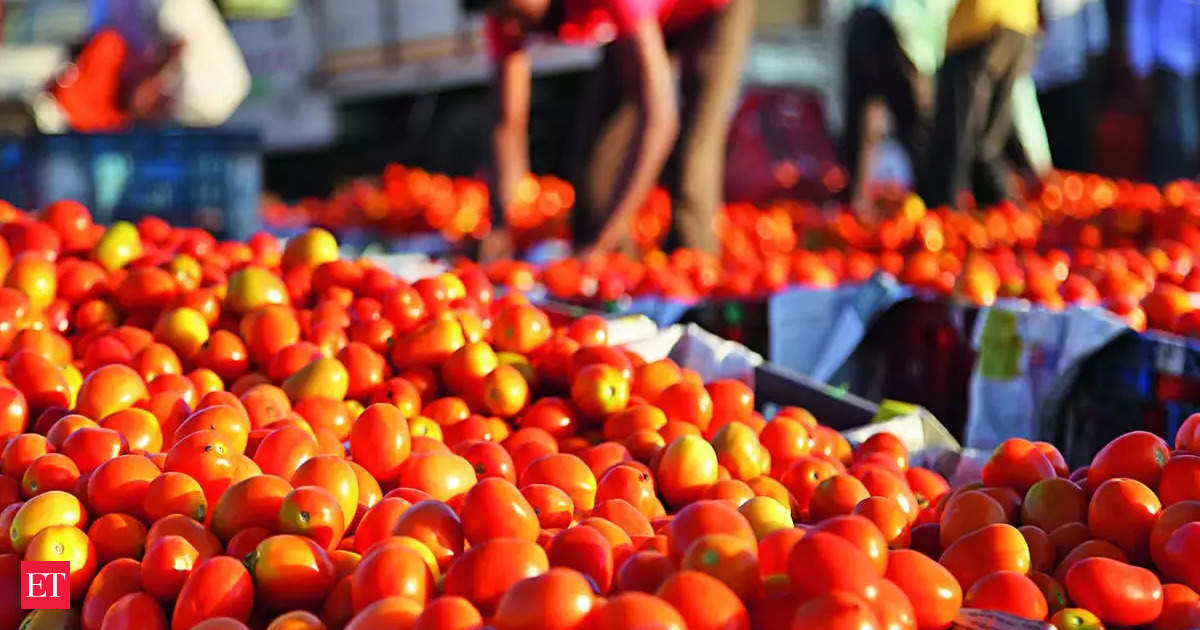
<point x="338" y="89"/>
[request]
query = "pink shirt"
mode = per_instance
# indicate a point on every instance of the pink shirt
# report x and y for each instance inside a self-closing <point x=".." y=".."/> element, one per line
<point x="599" y="21"/>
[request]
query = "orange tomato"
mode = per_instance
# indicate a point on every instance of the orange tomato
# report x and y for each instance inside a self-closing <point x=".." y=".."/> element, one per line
<point x="484" y="572"/>
<point x="1122" y="511"/>
<point x="117" y="536"/>
<point x="218" y="587"/>
<point x="934" y="592"/>
<point x="313" y="512"/>
<point x="114" y="581"/>
<point x="134" y="610"/>
<point x="1137" y="455"/>
<point x="380" y="441"/>
<point x="449" y="612"/>
<point x="996" y="547"/>
<point x="168" y="562"/>
<point x="1009" y="592"/>
<point x="252" y="502"/>
<point x="290" y="572"/>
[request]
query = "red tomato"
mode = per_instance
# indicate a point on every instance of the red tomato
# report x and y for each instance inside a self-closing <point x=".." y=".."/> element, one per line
<point x="218" y="587"/>
<point x="1119" y="594"/>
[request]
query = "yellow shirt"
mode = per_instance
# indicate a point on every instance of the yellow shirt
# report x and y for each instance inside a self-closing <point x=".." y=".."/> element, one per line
<point x="974" y="20"/>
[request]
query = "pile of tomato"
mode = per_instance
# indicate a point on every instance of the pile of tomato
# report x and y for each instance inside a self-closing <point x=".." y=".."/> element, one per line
<point x="407" y="201"/>
<point x="224" y="435"/>
<point x="1084" y="241"/>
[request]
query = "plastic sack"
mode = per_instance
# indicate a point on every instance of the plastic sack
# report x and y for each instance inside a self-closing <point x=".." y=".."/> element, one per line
<point x="697" y="349"/>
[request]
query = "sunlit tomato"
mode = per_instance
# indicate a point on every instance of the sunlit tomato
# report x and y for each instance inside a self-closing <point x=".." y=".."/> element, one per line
<point x="218" y="587"/>
<point x="174" y="493"/>
<point x="168" y="562"/>
<point x="67" y="543"/>
<point x="435" y="525"/>
<point x="283" y="450"/>
<point x="1010" y="592"/>
<point x="290" y="572"/>
<point x="1118" y="593"/>
<point x="1122" y="511"/>
<point x="120" y="484"/>
<point x="520" y="328"/>
<point x="687" y="402"/>
<point x="566" y="472"/>
<point x="1138" y="455"/>
<point x="598" y="390"/>
<point x="252" y="502"/>
<point x="114" y="581"/>
<point x="933" y="591"/>
<point x="52" y="471"/>
<point x="44" y="510"/>
<point x="380" y="441"/>
<point x="109" y="389"/>
<point x="313" y="512"/>
<point x="484" y="572"/>
<point x="997" y="547"/>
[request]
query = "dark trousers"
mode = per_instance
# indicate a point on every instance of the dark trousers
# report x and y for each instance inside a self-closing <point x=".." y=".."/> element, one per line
<point x="878" y="69"/>
<point x="974" y="124"/>
<point x="709" y="55"/>
<point x="1069" y="111"/>
<point x="1174" y="151"/>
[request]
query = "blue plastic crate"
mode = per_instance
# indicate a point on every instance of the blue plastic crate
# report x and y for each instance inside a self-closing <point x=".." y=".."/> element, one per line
<point x="205" y="178"/>
<point x="1176" y="414"/>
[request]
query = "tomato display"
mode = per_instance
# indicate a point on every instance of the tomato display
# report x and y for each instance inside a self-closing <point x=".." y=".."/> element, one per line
<point x="266" y="436"/>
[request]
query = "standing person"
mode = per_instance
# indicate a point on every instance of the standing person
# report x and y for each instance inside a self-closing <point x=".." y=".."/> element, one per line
<point x="154" y="60"/>
<point x="634" y="126"/>
<point x="1067" y="75"/>
<point x="1163" y="37"/>
<point x="893" y="50"/>
<point x="989" y="43"/>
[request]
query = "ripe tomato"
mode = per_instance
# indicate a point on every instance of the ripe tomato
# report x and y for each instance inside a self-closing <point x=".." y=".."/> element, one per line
<point x="380" y="441"/>
<point x="52" y="471"/>
<point x="997" y="547"/>
<point x="168" y="562"/>
<point x="566" y="472"/>
<point x="117" y="536"/>
<point x="252" y="502"/>
<point x="1122" y="511"/>
<point x="520" y="328"/>
<point x="313" y="512"/>
<point x="205" y="457"/>
<point x="484" y="572"/>
<point x="218" y="587"/>
<point x="935" y="594"/>
<point x="835" y="610"/>
<point x="704" y="602"/>
<point x="1119" y="594"/>
<point x="283" y="450"/>
<point x="114" y="581"/>
<point x="1138" y="455"/>
<point x="290" y="572"/>
<point x="586" y="550"/>
<point x="836" y="496"/>
<point x="66" y="543"/>
<point x="109" y="389"/>
<point x="1010" y="592"/>
<point x="44" y="510"/>
<point x="862" y="533"/>
<point x="600" y="389"/>
<point x="120" y="484"/>
<point x="134" y="610"/>
<point x="967" y="512"/>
